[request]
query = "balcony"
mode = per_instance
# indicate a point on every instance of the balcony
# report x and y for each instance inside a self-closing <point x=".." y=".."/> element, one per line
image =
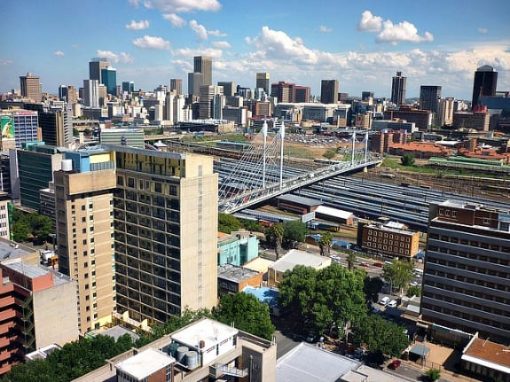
<point x="6" y="301"/>
<point x="4" y="355"/>
<point x="5" y="369"/>
<point x="7" y="314"/>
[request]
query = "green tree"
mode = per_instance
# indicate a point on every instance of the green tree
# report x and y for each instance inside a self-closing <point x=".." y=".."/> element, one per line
<point x="433" y="374"/>
<point x="325" y="243"/>
<point x="372" y="286"/>
<point x="351" y="260"/>
<point x="321" y="299"/>
<point x="246" y="313"/>
<point x="294" y="231"/>
<point x="380" y="335"/>
<point x="407" y="160"/>
<point x="329" y="154"/>
<point x="413" y="291"/>
<point x="275" y="234"/>
<point x="228" y="223"/>
<point x="41" y="227"/>
<point x="398" y="273"/>
<point x="20" y="231"/>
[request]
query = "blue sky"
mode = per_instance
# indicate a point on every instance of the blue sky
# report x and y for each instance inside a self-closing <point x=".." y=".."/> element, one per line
<point x="360" y="43"/>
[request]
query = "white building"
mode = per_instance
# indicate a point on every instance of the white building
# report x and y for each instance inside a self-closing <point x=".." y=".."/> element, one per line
<point x="91" y="93"/>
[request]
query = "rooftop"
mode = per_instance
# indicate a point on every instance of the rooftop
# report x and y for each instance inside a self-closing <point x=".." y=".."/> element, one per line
<point x="31" y="271"/>
<point x="259" y="264"/>
<point x="145" y="363"/>
<point x="488" y="354"/>
<point x="296" y="257"/>
<point x="334" y="212"/>
<point x="392" y="227"/>
<point x="369" y="374"/>
<point x="11" y="249"/>
<point x="309" y="202"/>
<point x="116" y="332"/>
<point x="207" y="330"/>
<point x="309" y="363"/>
<point x="264" y="294"/>
<point x="234" y="273"/>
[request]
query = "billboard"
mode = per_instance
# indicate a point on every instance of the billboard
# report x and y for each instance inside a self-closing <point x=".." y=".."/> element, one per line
<point x="7" y="126"/>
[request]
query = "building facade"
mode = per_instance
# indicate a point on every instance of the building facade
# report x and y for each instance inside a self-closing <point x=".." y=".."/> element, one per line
<point x="398" y="89"/>
<point x="203" y="65"/>
<point x="109" y="79"/>
<point x="95" y="66"/>
<point x="430" y="97"/>
<point x="165" y="212"/>
<point x="237" y="248"/>
<point x="262" y="81"/>
<point x="392" y="240"/>
<point x="484" y="84"/>
<point x="56" y="127"/>
<point x="25" y="124"/>
<point x="467" y="268"/>
<point x="31" y="87"/>
<point x="329" y="91"/>
<point x="176" y="86"/>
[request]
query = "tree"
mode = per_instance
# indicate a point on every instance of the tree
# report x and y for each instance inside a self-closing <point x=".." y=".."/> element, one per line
<point x="413" y="291"/>
<point x="293" y="231"/>
<point x="41" y="226"/>
<point x="325" y="243"/>
<point x="329" y="154"/>
<point x="399" y="273"/>
<point x="351" y="259"/>
<point x="31" y="226"/>
<point x="321" y="299"/>
<point x="380" y="335"/>
<point x="407" y="160"/>
<point x="433" y="374"/>
<point x="246" y="313"/>
<point x="276" y="237"/>
<point x="372" y="286"/>
<point x="20" y="231"/>
<point x="228" y="223"/>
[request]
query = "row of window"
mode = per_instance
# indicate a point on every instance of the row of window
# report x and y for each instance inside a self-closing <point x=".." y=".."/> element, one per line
<point x="387" y="235"/>
<point x="458" y="265"/>
<point x="481" y="282"/>
<point x="467" y="304"/>
<point x="471" y="243"/>
<point x="147" y="185"/>
<point x="467" y="255"/>
<point x="382" y="247"/>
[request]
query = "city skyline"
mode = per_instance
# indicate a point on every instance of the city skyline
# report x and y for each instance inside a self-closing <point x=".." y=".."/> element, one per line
<point x="150" y="42"/>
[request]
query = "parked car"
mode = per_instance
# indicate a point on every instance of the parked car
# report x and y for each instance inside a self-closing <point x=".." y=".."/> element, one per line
<point x="380" y="265"/>
<point x="384" y="301"/>
<point x="392" y="304"/>
<point x="395" y="364"/>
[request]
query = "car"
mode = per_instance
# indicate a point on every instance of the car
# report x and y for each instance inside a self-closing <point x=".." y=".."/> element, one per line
<point x="384" y="301"/>
<point x="395" y="364"/>
<point x="379" y="265"/>
<point x="392" y="304"/>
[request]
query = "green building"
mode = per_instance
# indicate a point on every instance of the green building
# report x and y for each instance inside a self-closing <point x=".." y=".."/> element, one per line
<point x="238" y="248"/>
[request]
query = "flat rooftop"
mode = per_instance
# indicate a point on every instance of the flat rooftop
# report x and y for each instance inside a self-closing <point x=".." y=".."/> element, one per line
<point x="301" y="200"/>
<point x="366" y="373"/>
<point x="488" y="354"/>
<point x="234" y="273"/>
<point x="259" y="264"/>
<point x="309" y="363"/>
<point x="10" y="250"/>
<point x="296" y="257"/>
<point x="31" y="271"/>
<point x="115" y="332"/>
<point x="334" y="212"/>
<point x="145" y="363"/>
<point x="207" y="330"/>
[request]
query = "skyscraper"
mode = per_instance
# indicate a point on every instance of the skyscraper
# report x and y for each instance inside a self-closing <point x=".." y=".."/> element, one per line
<point x="84" y="221"/>
<point x="485" y="83"/>
<point x="195" y="81"/>
<point x="262" y="82"/>
<point x="398" y="89"/>
<point x="207" y="93"/>
<point x="329" y="91"/>
<point x="203" y="64"/>
<point x="91" y="93"/>
<point x="62" y="92"/>
<point x="430" y="97"/>
<point x="128" y="86"/>
<point x="56" y="127"/>
<point x="30" y="87"/>
<point x="366" y="95"/>
<point x="95" y="66"/>
<point x="109" y="79"/>
<point x="176" y="86"/>
<point x="166" y="220"/>
<point x="229" y="87"/>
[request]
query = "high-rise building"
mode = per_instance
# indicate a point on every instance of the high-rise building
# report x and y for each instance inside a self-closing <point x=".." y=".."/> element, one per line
<point x="467" y="268"/>
<point x="203" y="64"/>
<point x="301" y="94"/>
<point x="445" y="114"/>
<point x="128" y="86"/>
<point x="62" y="92"/>
<point x="95" y="66"/>
<point x="165" y="212"/>
<point x="176" y="86"/>
<point x="103" y="95"/>
<point x="56" y="127"/>
<point x="229" y="88"/>
<point x="207" y="93"/>
<point x="430" y="97"/>
<point x="485" y="83"/>
<point x="24" y="125"/>
<point x="109" y="79"/>
<point x="262" y="81"/>
<point x="284" y="91"/>
<point x="84" y="220"/>
<point x="72" y="95"/>
<point x="31" y="87"/>
<point x="219" y="102"/>
<point x="168" y="110"/>
<point x="329" y="91"/>
<point x="367" y="95"/>
<point x="398" y="89"/>
<point x="195" y="81"/>
<point x="91" y="93"/>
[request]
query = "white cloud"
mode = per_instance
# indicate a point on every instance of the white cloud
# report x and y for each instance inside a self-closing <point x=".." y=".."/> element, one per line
<point x="58" y="53"/>
<point x="134" y="3"/>
<point x="214" y="53"/>
<point x="483" y="30"/>
<point x="199" y="29"/>
<point x="138" y="25"/>
<point x="221" y="44"/>
<point x="369" y="22"/>
<point x="325" y="29"/>
<point x="202" y="32"/>
<point x="181" y="6"/>
<point x="387" y="31"/>
<point x="174" y="19"/>
<point x="151" y="42"/>
<point x="5" y="62"/>
<point x="122" y="57"/>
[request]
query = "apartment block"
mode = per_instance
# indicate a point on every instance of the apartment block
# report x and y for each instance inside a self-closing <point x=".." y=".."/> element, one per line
<point x="391" y="239"/>
<point x="84" y="220"/>
<point x="165" y="212"/>
<point x="467" y="268"/>
<point x="233" y="279"/>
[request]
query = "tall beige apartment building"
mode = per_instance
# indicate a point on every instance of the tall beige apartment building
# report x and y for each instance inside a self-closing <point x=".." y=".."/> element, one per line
<point x="30" y="87"/>
<point x="84" y="221"/>
<point x="165" y="213"/>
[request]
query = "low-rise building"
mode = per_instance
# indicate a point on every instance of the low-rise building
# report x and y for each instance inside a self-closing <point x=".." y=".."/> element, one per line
<point x="237" y="248"/>
<point x="233" y="279"/>
<point x="296" y="203"/>
<point x="486" y="360"/>
<point x="150" y="365"/>
<point x="293" y="258"/>
<point x="391" y="239"/>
